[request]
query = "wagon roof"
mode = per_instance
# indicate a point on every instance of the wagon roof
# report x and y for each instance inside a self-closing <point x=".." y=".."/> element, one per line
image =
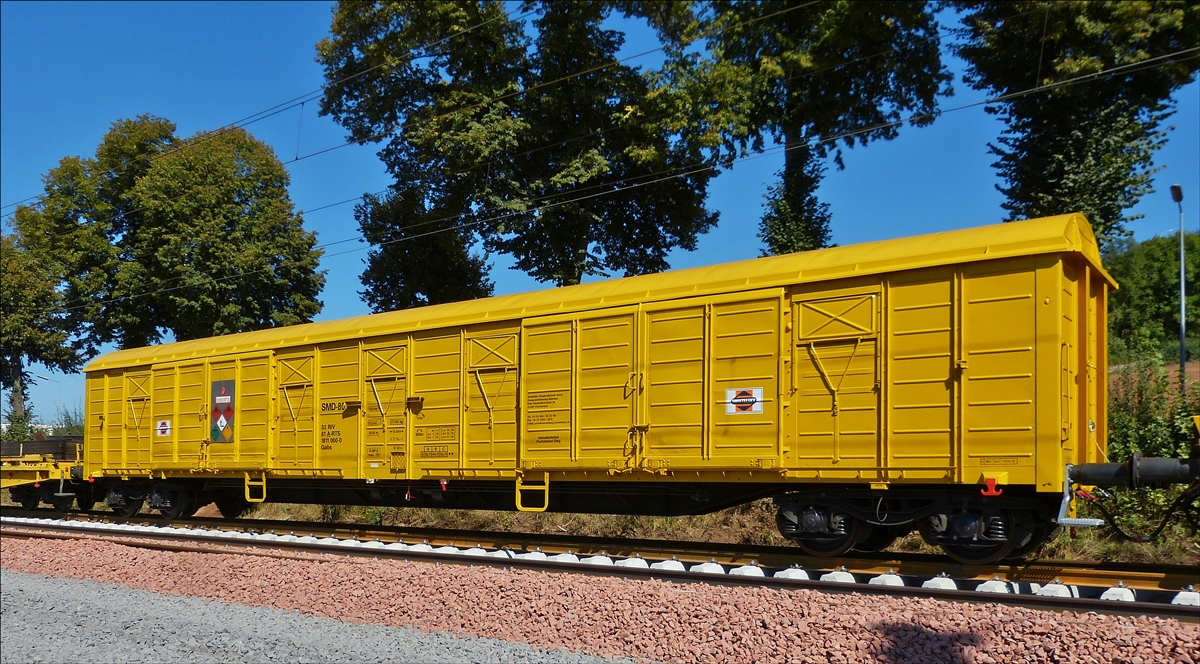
<point x="1068" y="233"/>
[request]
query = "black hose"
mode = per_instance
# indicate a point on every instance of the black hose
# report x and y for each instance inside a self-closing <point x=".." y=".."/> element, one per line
<point x="1191" y="513"/>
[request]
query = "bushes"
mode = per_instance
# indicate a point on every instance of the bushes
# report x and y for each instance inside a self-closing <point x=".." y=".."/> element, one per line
<point x="1148" y="416"/>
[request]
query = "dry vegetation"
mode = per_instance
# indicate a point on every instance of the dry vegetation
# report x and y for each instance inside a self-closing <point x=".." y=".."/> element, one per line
<point x="753" y="523"/>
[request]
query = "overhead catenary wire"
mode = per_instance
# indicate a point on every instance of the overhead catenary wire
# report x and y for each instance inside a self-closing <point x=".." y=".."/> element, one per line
<point x="689" y="170"/>
<point x="314" y="94"/>
<point x="383" y="191"/>
<point x="1122" y="69"/>
<point x="406" y="125"/>
<point x="292" y="103"/>
<point x="281" y="107"/>
<point x="666" y="175"/>
<point x="820" y="70"/>
<point x="299" y="100"/>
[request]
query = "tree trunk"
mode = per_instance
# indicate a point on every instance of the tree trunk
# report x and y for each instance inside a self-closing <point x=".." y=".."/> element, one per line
<point x="795" y="156"/>
<point x="18" y="391"/>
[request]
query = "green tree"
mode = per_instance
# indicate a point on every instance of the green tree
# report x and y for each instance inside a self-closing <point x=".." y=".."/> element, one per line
<point x="1143" y="314"/>
<point x="414" y="266"/>
<point x="86" y="220"/>
<point x="813" y="77"/>
<point x="786" y="228"/>
<point x="193" y="237"/>
<point x="33" y="327"/>
<point x="69" y="420"/>
<point x="505" y="134"/>
<point x="1087" y="147"/>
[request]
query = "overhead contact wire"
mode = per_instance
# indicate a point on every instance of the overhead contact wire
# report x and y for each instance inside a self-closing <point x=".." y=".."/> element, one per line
<point x="406" y="125"/>
<point x="293" y="102"/>
<point x="1145" y="64"/>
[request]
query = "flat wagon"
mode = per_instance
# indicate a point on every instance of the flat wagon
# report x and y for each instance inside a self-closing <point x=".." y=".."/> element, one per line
<point x="942" y="382"/>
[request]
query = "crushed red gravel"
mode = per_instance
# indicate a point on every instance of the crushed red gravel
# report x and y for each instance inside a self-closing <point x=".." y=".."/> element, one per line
<point x="649" y="620"/>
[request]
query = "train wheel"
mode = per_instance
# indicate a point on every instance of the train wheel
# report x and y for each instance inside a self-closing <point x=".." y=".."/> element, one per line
<point x="976" y="553"/>
<point x="62" y="503"/>
<point x="30" y="503"/>
<point x="231" y="507"/>
<point x="834" y="546"/>
<point x="1038" y="534"/>
<point x="130" y="508"/>
<point x="182" y="504"/>
<point x="881" y="537"/>
<point x="85" y="498"/>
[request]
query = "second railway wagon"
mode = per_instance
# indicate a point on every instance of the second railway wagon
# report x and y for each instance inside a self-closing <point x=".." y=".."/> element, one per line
<point x="942" y="382"/>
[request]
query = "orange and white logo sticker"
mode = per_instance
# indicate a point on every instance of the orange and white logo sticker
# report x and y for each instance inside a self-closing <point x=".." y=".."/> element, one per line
<point x="744" y="401"/>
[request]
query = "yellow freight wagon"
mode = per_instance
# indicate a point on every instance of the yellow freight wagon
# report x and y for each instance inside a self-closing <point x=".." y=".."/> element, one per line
<point x="942" y="382"/>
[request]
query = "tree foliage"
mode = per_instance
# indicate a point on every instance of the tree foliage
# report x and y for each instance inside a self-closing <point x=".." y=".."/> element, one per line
<point x="814" y="77"/>
<point x="33" y="328"/>
<point x="1146" y="413"/>
<point x="1143" y="314"/>
<point x="1078" y="148"/>
<point x="155" y="234"/>
<point x="795" y="219"/>
<point x="498" y="130"/>
<point x="411" y="266"/>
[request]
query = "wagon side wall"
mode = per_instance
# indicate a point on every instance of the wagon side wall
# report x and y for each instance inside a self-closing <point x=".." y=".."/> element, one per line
<point x="992" y="369"/>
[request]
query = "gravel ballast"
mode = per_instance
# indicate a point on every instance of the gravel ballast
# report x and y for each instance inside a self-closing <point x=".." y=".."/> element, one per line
<point x="78" y="620"/>
<point x="608" y="616"/>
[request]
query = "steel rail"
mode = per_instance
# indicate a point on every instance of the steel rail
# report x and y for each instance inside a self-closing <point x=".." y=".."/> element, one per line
<point x="167" y="540"/>
<point x="1158" y="579"/>
<point x="1138" y="576"/>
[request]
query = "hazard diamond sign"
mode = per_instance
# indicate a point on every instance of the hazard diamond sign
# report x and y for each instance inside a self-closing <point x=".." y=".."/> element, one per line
<point x="744" y="401"/>
<point x="222" y="411"/>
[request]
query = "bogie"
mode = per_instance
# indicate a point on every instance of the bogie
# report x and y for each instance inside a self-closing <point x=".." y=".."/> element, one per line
<point x="173" y="502"/>
<point x="126" y="501"/>
<point x="818" y="530"/>
<point x="969" y="528"/>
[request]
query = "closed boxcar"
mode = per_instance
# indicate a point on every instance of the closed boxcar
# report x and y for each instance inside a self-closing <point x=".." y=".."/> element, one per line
<point x="942" y="382"/>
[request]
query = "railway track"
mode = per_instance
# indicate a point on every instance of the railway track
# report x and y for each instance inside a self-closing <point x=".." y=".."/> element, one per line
<point x="1115" y="588"/>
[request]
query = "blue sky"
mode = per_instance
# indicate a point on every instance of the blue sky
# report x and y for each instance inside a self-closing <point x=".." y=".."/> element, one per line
<point x="68" y="70"/>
